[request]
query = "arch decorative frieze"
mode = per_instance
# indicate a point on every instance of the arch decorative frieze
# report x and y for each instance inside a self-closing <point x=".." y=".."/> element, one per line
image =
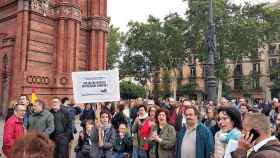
<point x="61" y="10"/>
<point x="99" y="23"/>
<point x="68" y="11"/>
<point x="40" y="80"/>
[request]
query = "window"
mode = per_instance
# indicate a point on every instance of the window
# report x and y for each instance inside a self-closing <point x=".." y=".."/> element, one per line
<point x="272" y="49"/>
<point x="272" y="76"/>
<point x="238" y="70"/>
<point x="256" y="83"/>
<point x="272" y="62"/>
<point x="237" y="83"/>
<point x="192" y="72"/>
<point x="256" y="68"/>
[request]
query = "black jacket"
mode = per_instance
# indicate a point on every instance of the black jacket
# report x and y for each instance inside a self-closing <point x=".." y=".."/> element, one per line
<point x="62" y="124"/>
<point x="118" y="119"/>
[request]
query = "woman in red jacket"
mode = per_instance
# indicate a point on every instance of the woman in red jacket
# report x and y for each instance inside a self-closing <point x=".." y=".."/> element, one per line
<point x="13" y="128"/>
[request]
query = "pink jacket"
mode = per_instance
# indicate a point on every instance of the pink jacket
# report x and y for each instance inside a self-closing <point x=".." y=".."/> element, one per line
<point x="13" y="129"/>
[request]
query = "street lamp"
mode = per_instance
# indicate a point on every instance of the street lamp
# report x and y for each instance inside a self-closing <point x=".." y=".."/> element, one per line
<point x="211" y="42"/>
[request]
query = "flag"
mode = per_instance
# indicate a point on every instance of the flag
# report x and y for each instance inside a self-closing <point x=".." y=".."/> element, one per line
<point x="33" y="95"/>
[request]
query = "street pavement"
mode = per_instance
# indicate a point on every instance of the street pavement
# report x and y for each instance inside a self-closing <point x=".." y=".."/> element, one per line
<point x="77" y="123"/>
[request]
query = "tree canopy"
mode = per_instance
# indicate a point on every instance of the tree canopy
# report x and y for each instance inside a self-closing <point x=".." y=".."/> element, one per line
<point x="161" y="44"/>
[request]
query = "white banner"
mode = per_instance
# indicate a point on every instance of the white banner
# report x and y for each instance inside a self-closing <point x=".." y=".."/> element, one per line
<point x="96" y="86"/>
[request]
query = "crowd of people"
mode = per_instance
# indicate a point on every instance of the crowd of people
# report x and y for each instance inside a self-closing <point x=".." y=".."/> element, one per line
<point x="142" y="129"/>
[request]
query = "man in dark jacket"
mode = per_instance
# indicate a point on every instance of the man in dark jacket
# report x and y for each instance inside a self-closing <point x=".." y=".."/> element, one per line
<point x="264" y="146"/>
<point x="73" y="110"/>
<point x="41" y="119"/>
<point x="63" y="129"/>
<point x="119" y="117"/>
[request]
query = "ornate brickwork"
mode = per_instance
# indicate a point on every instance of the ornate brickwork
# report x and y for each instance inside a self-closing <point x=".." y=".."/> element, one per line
<point x="46" y="40"/>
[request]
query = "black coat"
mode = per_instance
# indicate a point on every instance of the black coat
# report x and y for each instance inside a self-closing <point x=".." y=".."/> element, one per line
<point x="62" y="124"/>
<point x="118" y="119"/>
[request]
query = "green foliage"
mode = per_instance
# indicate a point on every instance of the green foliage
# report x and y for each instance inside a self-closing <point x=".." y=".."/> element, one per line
<point x="226" y="90"/>
<point x="275" y="73"/>
<point x="130" y="90"/>
<point x="115" y="41"/>
<point x="187" y="89"/>
<point x="165" y="89"/>
<point x="240" y="30"/>
<point x="173" y="54"/>
<point x="155" y="45"/>
<point x="144" y="45"/>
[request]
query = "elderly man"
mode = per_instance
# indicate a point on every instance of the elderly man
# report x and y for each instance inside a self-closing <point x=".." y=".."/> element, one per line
<point x="13" y="129"/>
<point x="264" y="145"/>
<point x="194" y="140"/>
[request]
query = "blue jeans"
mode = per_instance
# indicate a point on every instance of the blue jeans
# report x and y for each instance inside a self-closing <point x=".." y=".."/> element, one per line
<point x="139" y="153"/>
<point x="118" y="155"/>
<point x="78" y="154"/>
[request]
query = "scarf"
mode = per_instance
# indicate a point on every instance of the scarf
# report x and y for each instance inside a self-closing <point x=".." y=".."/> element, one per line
<point x="144" y="116"/>
<point x="106" y="129"/>
<point x="233" y="134"/>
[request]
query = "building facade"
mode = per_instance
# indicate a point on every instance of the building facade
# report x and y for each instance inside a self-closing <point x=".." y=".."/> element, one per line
<point x="43" y="41"/>
<point x="252" y="78"/>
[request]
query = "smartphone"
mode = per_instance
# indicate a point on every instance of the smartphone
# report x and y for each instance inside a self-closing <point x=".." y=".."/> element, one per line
<point x="255" y="134"/>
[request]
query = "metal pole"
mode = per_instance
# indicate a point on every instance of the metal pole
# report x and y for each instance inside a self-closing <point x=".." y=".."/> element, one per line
<point x="211" y="42"/>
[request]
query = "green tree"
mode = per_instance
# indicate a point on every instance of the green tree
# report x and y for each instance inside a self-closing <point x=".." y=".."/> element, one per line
<point x="115" y="42"/>
<point x="187" y="89"/>
<point x="165" y="89"/>
<point x="271" y="21"/>
<point x="239" y="31"/>
<point x="144" y="42"/>
<point x="154" y="45"/>
<point x="173" y="55"/>
<point x="130" y="90"/>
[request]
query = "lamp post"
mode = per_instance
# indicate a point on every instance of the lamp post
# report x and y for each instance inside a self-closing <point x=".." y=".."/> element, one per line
<point x="211" y="42"/>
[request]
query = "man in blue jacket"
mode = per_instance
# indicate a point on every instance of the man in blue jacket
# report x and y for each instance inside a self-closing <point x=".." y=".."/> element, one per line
<point x="194" y="140"/>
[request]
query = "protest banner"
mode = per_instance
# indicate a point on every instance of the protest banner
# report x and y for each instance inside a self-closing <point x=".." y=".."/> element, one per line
<point x="96" y="86"/>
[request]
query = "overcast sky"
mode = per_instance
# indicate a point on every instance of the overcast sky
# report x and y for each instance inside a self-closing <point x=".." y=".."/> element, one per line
<point x="123" y="11"/>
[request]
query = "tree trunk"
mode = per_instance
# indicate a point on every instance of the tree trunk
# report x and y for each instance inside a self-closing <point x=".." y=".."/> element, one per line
<point x="156" y="89"/>
<point x="220" y="90"/>
<point x="175" y="84"/>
